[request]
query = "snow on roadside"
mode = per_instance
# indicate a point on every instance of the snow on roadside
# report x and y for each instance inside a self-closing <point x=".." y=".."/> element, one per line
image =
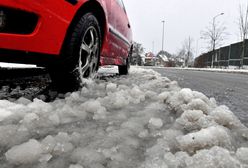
<point x="225" y="70"/>
<point x="142" y="120"/>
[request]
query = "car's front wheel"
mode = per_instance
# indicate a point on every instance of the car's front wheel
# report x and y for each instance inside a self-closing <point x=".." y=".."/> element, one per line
<point x="80" y="57"/>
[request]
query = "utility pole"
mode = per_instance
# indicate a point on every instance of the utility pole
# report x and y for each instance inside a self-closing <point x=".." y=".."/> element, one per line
<point x="214" y="39"/>
<point x="163" y="36"/>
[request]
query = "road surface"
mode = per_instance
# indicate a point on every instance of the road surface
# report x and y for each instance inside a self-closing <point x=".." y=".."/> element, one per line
<point x="227" y="88"/>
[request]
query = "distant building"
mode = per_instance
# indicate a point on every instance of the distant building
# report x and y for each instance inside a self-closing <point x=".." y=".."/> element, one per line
<point x="165" y="59"/>
<point x="150" y="59"/>
<point x="162" y="60"/>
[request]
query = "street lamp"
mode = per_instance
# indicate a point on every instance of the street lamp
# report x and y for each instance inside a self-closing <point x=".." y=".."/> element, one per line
<point x="214" y="38"/>
<point x="163" y="36"/>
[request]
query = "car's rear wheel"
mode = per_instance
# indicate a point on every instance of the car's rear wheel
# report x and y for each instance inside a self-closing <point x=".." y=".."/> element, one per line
<point x="80" y="57"/>
<point x="124" y="69"/>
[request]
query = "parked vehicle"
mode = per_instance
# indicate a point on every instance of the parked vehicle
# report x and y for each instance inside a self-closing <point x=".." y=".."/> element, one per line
<point x="72" y="38"/>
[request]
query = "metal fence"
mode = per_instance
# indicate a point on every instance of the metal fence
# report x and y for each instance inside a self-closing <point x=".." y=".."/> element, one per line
<point x="224" y="57"/>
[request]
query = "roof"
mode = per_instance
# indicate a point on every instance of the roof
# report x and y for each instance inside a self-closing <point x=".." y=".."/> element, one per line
<point x="163" y="57"/>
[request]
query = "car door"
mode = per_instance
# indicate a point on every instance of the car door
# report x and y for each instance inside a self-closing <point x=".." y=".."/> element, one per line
<point x="120" y="29"/>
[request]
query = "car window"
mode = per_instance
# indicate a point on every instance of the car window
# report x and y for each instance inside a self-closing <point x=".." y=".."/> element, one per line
<point x="120" y="2"/>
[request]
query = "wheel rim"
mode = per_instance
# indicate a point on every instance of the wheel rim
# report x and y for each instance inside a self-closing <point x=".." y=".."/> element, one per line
<point x="88" y="54"/>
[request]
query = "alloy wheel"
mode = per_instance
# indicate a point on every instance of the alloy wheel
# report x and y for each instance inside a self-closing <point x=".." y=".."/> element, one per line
<point x="88" y="54"/>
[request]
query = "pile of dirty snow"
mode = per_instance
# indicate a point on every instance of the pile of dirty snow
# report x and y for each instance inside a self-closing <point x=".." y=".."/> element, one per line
<point x="138" y="121"/>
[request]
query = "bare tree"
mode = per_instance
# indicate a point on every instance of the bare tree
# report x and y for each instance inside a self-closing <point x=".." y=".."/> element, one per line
<point x="214" y="34"/>
<point x="188" y="51"/>
<point x="138" y="50"/>
<point x="179" y="56"/>
<point x="243" y="27"/>
<point x="184" y="55"/>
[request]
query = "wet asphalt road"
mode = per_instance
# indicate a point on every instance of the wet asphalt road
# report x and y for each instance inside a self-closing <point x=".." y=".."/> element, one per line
<point x="227" y="88"/>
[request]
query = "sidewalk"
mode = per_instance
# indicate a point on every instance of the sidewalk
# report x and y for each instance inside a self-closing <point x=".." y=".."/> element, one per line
<point x="239" y="71"/>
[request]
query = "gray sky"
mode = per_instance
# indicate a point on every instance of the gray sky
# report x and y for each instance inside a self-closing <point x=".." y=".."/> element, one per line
<point x="183" y="18"/>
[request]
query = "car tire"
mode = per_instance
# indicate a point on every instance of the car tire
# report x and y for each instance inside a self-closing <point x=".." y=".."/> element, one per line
<point x="124" y="69"/>
<point x="80" y="56"/>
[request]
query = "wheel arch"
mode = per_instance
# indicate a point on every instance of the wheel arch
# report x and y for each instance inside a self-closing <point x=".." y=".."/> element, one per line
<point x="90" y="6"/>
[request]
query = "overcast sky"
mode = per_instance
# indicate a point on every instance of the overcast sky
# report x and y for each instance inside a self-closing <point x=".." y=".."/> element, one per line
<point x="183" y="18"/>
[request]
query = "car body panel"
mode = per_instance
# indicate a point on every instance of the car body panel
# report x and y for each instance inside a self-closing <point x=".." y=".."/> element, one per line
<point x="55" y="18"/>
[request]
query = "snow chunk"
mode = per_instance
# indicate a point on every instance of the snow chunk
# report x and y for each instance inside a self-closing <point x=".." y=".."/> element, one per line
<point x="199" y="104"/>
<point x="23" y="101"/>
<point x="4" y="114"/>
<point x="199" y="95"/>
<point x="163" y="96"/>
<point x="25" y="153"/>
<point x="223" y="116"/>
<point x="209" y="137"/>
<point x="186" y="95"/>
<point x="193" y="120"/>
<point x="48" y="144"/>
<point x="142" y="120"/>
<point x="30" y="117"/>
<point x="155" y="123"/>
<point x="216" y="157"/>
<point x="87" y="156"/>
<point x="91" y="106"/>
<point x="137" y="95"/>
<point x="143" y="134"/>
<point x="75" y="166"/>
<point x="242" y="154"/>
<point x="111" y="87"/>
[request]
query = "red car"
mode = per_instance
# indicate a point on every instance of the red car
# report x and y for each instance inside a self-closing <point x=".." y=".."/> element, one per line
<point x="72" y="38"/>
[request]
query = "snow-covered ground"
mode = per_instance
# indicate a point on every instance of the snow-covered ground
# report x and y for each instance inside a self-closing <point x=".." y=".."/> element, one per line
<point x="142" y="120"/>
<point x="228" y="70"/>
<point x="10" y="65"/>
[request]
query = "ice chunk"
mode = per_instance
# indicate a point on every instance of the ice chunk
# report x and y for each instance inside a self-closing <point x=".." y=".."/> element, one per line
<point x="242" y="154"/>
<point x="163" y="96"/>
<point x="155" y="123"/>
<point x="199" y="104"/>
<point x="137" y="95"/>
<point x="143" y="134"/>
<point x="170" y="137"/>
<point x="25" y="153"/>
<point x="7" y="132"/>
<point x="199" y="95"/>
<point x="100" y="114"/>
<point x="91" y="106"/>
<point x="54" y="118"/>
<point x="45" y="158"/>
<point x="4" y="114"/>
<point x="38" y="106"/>
<point x="30" y="117"/>
<point x="61" y="148"/>
<point x="87" y="155"/>
<point x="223" y="116"/>
<point x="151" y="95"/>
<point x="209" y="137"/>
<point x="111" y="87"/>
<point x="216" y="157"/>
<point x="23" y="101"/>
<point x="63" y="144"/>
<point x="193" y="120"/>
<point x="75" y="166"/>
<point x="186" y="95"/>
<point x="48" y="144"/>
